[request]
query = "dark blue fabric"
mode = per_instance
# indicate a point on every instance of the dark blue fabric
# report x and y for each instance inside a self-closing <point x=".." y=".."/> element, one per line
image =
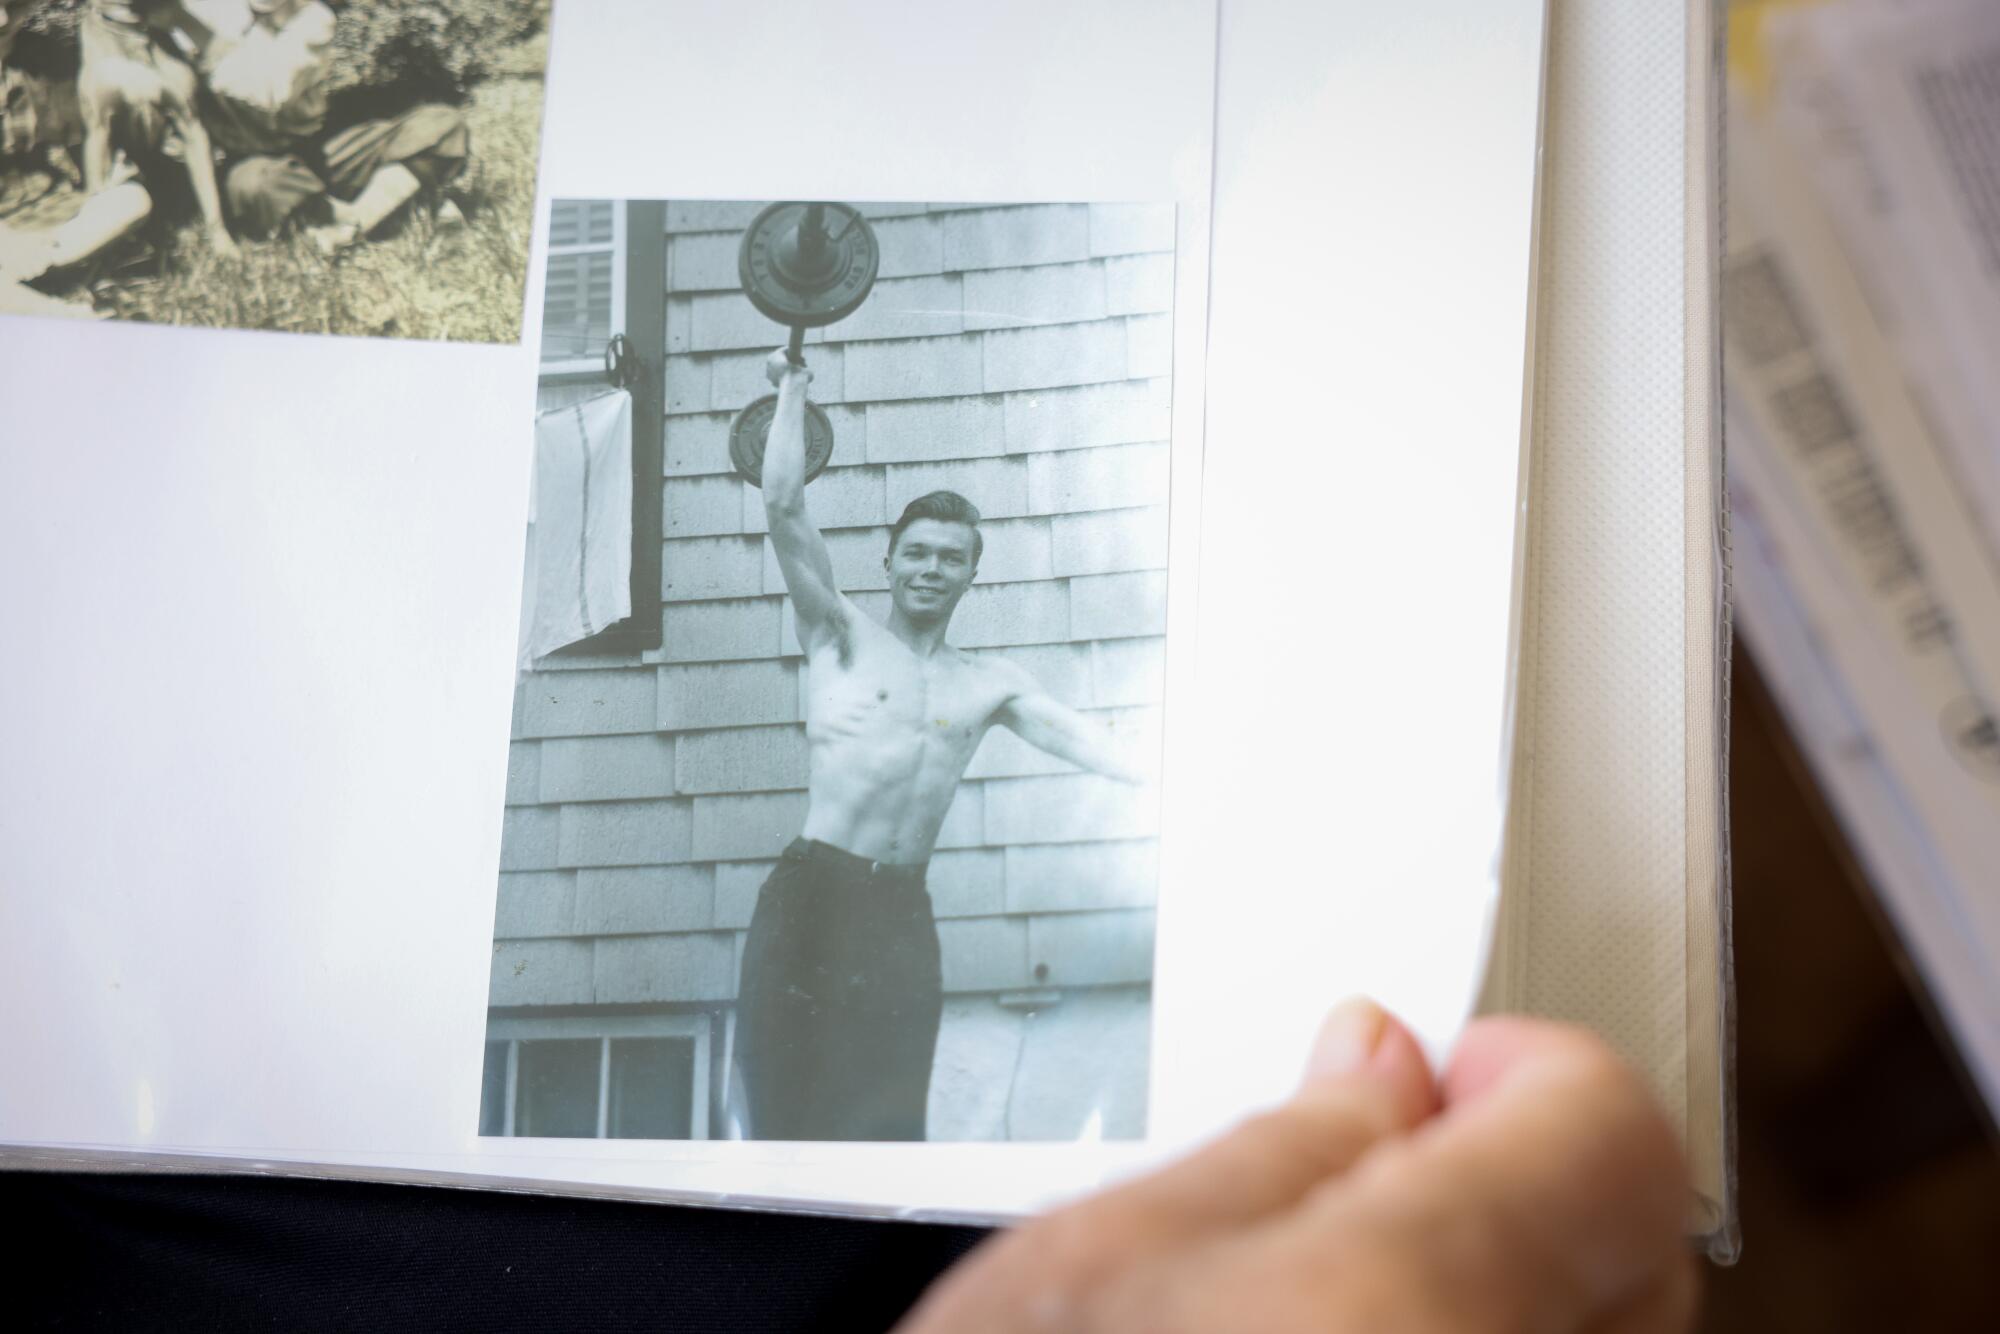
<point x="227" y="1253"/>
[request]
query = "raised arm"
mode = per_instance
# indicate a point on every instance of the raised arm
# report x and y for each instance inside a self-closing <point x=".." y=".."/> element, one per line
<point x="1038" y="719"/>
<point x="801" y="550"/>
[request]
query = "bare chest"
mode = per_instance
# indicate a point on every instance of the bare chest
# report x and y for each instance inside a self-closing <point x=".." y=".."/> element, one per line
<point x="888" y="692"/>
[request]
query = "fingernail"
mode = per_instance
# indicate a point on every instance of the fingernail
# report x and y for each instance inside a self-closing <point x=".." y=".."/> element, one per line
<point x="1347" y="1039"/>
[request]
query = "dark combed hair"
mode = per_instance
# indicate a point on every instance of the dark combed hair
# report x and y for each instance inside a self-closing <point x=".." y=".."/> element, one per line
<point x="945" y="507"/>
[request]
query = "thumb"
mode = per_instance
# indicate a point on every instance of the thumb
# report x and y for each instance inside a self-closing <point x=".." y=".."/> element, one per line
<point x="1366" y="1081"/>
<point x="1361" y="1039"/>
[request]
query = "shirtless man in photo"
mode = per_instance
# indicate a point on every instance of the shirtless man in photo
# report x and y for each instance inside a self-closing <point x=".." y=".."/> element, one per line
<point x="841" y="996"/>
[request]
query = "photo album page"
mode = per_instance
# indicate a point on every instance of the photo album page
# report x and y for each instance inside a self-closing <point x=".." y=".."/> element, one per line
<point x="859" y="608"/>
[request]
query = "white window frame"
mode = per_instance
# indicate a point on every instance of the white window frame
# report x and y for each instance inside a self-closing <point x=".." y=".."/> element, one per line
<point x="594" y="360"/>
<point x="605" y="1028"/>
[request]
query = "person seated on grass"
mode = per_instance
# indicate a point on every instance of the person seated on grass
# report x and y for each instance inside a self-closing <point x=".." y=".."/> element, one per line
<point x="267" y="67"/>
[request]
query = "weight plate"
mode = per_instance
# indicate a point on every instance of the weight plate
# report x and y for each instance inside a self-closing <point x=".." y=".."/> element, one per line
<point x="753" y="426"/>
<point x="808" y="264"/>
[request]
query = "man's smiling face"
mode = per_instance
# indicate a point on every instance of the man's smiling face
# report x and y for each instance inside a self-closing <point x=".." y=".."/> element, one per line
<point x="930" y="568"/>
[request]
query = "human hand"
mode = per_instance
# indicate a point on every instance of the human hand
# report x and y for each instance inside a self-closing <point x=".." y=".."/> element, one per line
<point x="1534" y="1186"/>
<point x="779" y="367"/>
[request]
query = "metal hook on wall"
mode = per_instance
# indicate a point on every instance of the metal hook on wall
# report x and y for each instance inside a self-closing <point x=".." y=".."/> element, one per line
<point x="618" y="361"/>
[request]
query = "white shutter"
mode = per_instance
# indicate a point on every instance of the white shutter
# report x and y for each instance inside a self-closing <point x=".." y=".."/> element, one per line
<point x="583" y="295"/>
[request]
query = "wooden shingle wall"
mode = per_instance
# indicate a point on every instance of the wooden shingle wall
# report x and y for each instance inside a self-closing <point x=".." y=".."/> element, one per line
<point x="1016" y="354"/>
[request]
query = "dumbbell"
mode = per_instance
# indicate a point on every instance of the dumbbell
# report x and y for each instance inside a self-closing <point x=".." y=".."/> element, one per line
<point x="805" y="266"/>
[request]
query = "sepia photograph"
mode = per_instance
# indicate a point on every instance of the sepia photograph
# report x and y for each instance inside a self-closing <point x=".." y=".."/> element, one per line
<point x="305" y="166"/>
<point x="832" y="797"/>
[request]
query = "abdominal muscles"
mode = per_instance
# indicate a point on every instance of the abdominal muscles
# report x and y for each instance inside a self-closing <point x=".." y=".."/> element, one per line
<point x="883" y="769"/>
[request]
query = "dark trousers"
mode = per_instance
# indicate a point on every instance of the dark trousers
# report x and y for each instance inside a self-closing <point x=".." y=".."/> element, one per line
<point x="837" y="1016"/>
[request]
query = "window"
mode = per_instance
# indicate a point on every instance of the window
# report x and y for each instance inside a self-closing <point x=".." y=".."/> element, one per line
<point x="583" y="297"/>
<point x="607" y="275"/>
<point x="605" y="1077"/>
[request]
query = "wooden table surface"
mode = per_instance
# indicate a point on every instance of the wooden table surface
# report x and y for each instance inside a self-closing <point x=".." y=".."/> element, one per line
<point x="1870" y="1173"/>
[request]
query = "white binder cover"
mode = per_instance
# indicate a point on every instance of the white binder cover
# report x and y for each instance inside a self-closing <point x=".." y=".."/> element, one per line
<point x="1616" y="904"/>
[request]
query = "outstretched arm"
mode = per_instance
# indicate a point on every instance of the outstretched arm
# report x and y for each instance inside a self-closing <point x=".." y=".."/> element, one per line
<point x="1038" y="719"/>
<point x="801" y="550"/>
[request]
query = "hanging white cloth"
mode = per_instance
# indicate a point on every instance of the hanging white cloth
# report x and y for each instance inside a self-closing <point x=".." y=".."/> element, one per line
<point x="579" y="575"/>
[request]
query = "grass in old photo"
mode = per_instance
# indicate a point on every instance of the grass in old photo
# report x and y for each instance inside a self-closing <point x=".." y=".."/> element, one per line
<point x="414" y="279"/>
<point x="417" y="281"/>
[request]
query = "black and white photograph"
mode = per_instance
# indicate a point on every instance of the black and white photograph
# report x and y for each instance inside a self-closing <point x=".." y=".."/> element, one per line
<point x="305" y="166"/>
<point x="833" y="787"/>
